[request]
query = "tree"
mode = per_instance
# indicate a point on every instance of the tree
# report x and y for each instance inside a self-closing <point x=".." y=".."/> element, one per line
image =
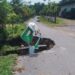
<point x="53" y="10"/>
<point x="21" y="9"/>
<point x="17" y="5"/>
<point x="38" y="7"/>
<point x="3" y="18"/>
<point x="3" y="12"/>
<point x="26" y="12"/>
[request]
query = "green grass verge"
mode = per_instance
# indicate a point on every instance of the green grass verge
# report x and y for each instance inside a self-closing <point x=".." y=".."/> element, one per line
<point x="59" y="22"/>
<point x="6" y="64"/>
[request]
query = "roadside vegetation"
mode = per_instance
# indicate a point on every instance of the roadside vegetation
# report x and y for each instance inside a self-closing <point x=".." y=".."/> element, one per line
<point x="6" y="64"/>
<point x="12" y="23"/>
<point x="59" y="21"/>
<point x="15" y="30"/>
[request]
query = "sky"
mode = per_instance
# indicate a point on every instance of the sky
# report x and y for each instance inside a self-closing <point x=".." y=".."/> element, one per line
<point x="35" y="1"/>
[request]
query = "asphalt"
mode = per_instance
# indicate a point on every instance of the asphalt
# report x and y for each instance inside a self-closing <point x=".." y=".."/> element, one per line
<point x="60" y="60"/>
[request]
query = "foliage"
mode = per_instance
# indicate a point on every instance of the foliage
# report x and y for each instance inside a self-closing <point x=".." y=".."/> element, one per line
<point x="16" y="5"/>
<point x="38" y="7"/>
<point x="50" y="9"/>
<point x="15" y="30"/>
<point x="3" y="34"/>
<point x="21" y="9"/>
<point x="26" y="12"/>
<point x="6" y="64"/>
<point x="12" y="33"/>
<point x="3" y="11"/>
<point x="59" y="22"/>
<point x="14" y="18"/>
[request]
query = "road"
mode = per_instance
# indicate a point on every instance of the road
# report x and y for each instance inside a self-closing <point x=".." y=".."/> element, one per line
<point x="60" y="60"/>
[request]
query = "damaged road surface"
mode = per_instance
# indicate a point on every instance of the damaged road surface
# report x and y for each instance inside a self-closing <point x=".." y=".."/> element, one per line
<point x="44" y="44"/>
<point x="59" y="60"/>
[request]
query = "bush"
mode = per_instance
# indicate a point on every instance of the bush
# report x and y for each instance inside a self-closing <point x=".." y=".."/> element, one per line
<point x="14" y="30"/>
<point x="3" y="35"/>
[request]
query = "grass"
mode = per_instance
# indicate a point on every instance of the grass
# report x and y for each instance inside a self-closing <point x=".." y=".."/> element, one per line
<point x="59" y="22"/>
<point x="6" y="64"/>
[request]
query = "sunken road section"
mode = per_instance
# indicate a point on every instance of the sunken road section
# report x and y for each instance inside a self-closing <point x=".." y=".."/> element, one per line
<point x="44" y="44"/>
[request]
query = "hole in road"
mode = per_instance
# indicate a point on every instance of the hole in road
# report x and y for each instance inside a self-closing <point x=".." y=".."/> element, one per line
<point x="46" y="43"/>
